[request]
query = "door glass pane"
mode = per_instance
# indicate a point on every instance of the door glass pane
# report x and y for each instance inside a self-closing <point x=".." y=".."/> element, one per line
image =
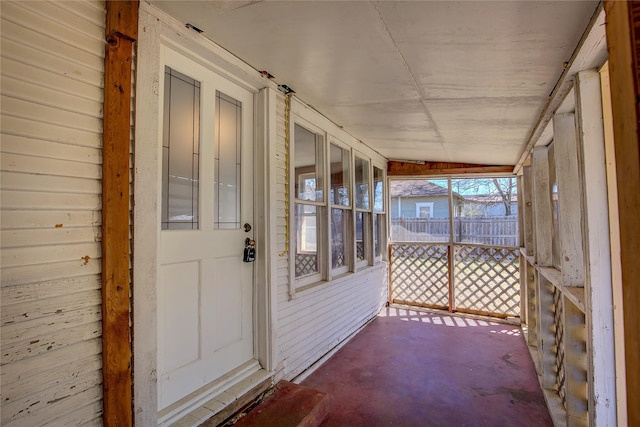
<point x="308" y="164"/>
<point x="420" y="210"/>
<point x="485" y="211"/>
<point x="339" y="254"/>
<point x="362" y="183"/>
<point x="180" y="144"/>
<point x="378" y="190"/>
<point x="228" y="137"/>
<point x="306" y="242"/>
<point x="339" y="158"/>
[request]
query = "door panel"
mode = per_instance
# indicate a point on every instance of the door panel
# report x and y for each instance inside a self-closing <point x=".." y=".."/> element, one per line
<point x="205" y="295"/>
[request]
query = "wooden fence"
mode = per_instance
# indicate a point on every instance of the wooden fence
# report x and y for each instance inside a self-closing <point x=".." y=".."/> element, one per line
<point x="491" y="231"/>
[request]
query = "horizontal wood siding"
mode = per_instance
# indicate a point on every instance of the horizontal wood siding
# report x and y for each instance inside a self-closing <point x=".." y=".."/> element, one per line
<point x="51" y="95"/>
<point x="320" y="318"/>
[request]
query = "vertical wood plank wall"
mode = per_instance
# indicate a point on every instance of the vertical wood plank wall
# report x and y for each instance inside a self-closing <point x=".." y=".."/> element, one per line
<point x="623" y="39"/>
<point x="51" y="125"/>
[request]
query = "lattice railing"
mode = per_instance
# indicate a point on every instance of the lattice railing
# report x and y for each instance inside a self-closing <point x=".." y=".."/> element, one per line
<point x="558" y="331"/>
<point x="487" y="279"/>
<point x="420" y="274"/>
<point x="306" y="264"/>
<point x="360" y="251"/>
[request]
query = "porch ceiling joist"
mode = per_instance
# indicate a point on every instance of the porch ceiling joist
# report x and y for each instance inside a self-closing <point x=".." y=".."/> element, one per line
<point x="408" y="168"/>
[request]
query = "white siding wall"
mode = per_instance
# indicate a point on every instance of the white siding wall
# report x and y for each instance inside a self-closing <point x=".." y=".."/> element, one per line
<point x="51" y="95"/>
<point x="320" y="318"/>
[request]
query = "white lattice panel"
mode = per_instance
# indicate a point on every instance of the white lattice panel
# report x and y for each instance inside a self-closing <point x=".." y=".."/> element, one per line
<point x="487" y="280"/>
<point x="420" y="274"/>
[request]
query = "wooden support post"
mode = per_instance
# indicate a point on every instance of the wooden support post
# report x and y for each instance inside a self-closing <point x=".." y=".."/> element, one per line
<point x="623" y="40"/>
<point x="542" y="207"/>
<point x="569" y="199"/>
<point x="544" y="289"/>
<point x="121" y="33"/>
<point x="527" y="270"/>
<point x="598" y="286"/>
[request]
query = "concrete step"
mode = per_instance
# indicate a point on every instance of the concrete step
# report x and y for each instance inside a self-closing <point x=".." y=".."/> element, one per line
<point x="291" y="405"/>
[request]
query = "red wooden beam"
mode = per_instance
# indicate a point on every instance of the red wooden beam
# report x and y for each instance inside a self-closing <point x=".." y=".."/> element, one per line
<point x="395" y="168"/>
<point x="121" y="32"/>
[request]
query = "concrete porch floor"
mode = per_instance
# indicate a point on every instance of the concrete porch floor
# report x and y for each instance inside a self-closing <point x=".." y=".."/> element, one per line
<point x="427" y="368"/>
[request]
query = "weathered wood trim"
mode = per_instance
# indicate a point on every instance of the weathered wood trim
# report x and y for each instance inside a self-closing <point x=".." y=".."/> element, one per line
<point x="569" y="199"/>
<point x="397" y="168"/>
<point x="614" y="244"/>
<point x="121" y="30"/>
<point x="623" y="39"/>
<point x="542" y="207"/>
<point x="597" y="268"/>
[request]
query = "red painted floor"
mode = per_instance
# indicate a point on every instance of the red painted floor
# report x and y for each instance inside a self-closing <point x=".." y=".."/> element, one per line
<point x="410" y="368"/>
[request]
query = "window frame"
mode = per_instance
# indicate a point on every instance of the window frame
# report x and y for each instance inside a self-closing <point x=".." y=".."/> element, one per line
<point x="380" y="217"/>
<point x="367" y="215"/>
<point x="321" y="208"/>
<point x="419" y="205"/>
<point x="347" y="212"/>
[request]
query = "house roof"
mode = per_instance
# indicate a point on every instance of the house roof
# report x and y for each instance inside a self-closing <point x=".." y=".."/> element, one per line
<point x="417" y="188"/>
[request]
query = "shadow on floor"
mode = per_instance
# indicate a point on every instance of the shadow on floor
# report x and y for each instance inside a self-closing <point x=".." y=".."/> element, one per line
<point x="415" y="368"/>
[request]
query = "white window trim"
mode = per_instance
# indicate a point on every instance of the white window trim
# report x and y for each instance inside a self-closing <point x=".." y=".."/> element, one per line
<point x="423" y="205"/>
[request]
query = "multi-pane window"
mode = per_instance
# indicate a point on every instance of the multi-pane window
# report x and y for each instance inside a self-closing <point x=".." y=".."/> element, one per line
<point x="340" y="195"/>
<point x="363" y="210"/>
<point x="339" y="217"/>
<point x="309" y="203"/>
<point x="379" y="218"/>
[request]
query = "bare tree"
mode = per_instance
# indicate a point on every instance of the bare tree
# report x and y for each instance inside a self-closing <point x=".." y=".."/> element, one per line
<point x="505" y="187"/>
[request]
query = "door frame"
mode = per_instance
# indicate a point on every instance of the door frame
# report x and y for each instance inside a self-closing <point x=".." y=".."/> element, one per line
<point x="155" y="29"/>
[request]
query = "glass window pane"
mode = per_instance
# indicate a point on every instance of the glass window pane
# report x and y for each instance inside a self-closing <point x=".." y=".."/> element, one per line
<point x="378" y="236"/>
<point x="228" y="137"/>
<point x="180" y="145"/>
<point x="339" y="232"/>
<point x="362" y="183"/>
<point x="340" y="177"/>
<point x="420" y="210"/>
<point x="378" y="189"/>
<point x="486" y="211"/>
<point x="306" y="243"/>
<point x="362" y="236"/>
<point x="308" y="164"/>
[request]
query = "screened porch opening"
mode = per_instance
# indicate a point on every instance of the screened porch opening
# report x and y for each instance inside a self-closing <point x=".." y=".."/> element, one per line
<point x="455" y="244"/>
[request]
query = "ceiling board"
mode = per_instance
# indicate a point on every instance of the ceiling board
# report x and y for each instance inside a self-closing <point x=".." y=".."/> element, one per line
<point x="456" y="81"/>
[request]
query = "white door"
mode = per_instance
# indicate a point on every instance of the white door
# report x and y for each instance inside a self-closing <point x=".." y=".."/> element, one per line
<point x="205" y="305"/>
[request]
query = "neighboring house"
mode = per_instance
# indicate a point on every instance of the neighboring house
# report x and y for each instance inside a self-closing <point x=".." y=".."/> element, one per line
<point x="421" y="199"/>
